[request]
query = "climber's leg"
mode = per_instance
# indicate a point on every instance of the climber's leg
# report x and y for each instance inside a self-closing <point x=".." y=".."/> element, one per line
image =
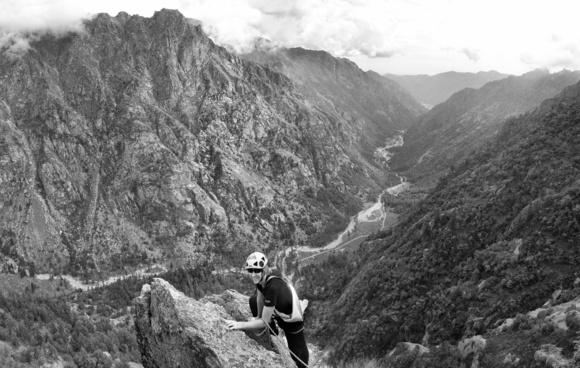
<point x="297" y="345"/>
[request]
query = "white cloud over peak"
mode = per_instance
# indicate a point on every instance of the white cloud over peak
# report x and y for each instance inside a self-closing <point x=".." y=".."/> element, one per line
<point x="22" y="21"/>
<point x="35" y="15"/>
<point x="471" y="54"/>
<point x="341" y="27"/>
<point x="398" y="36"/>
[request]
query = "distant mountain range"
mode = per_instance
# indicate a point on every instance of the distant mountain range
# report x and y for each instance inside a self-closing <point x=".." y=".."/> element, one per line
<point x="431" y="90"/>
<point x="446" y="134"/>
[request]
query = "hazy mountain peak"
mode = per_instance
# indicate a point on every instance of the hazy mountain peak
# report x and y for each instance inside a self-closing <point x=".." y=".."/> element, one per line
<point x="445" y="135"/>
<point x="537" y="73"/>
<point x="437" y="88"/>
<point x="264" y="44"/>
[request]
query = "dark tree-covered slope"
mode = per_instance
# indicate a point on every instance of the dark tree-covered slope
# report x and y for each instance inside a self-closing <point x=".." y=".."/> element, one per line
<point x="496" y="237"/>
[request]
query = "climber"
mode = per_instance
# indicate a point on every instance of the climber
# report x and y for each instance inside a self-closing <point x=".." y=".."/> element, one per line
<point x="278" y="299"/>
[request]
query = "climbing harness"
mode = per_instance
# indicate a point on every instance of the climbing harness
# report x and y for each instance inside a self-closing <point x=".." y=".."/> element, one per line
<point x="295" y="316"/>
<point x="297" y="313"/>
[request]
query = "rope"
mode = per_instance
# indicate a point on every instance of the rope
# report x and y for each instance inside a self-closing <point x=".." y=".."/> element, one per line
<point x="279" y="339"/>
<point x="261" y="333"/>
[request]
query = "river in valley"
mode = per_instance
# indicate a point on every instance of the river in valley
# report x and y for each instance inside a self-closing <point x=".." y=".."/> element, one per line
<point x="374" y="217"/>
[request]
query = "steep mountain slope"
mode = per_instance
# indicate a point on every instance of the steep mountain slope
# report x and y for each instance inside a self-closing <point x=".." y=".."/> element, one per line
<point x="447" y="133"/>
<point x="140" y="140"/>
<point x="497" y="237"/>
<point x="341" y="88"/>
<point x="435" y="89"/>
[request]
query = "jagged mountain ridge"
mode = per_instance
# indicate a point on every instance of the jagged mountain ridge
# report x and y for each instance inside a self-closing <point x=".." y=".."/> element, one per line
<point x="497" y="237"/>
<point x="435" y="89"/>
<point x="140" y="139"/>
<point x="447" y="133"/>
<point x="341" y="88"/>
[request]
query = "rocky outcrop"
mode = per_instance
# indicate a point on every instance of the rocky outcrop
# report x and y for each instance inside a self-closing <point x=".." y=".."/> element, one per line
<point x="176" y="331"/>
<point x="552" y="357"/>
<point x="408" y="348"/>
<point x="564" y="316"/>
<point x="472" y="348"/>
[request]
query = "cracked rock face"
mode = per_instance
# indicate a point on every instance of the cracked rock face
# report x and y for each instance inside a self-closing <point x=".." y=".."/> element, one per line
<point x="141" y="136"/>
<point x="176" y="331"/>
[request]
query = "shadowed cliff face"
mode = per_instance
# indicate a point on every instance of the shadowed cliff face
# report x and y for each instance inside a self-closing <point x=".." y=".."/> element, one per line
<point x="176" y="331"/>
<point x="376" y="106"/>
<point x="140" y="139"/>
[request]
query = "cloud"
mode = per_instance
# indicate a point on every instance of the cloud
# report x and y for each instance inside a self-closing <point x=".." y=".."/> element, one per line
<point x="555" y="53"/>
<point x="384" y="54"/>
<point x="341" y="27"/>
<point x="410" y="36"/>
<point x="472" y="54"/>
<point x="23" y="22"/>
<point x="38" y="15"/>
<point x="14" y="44"/>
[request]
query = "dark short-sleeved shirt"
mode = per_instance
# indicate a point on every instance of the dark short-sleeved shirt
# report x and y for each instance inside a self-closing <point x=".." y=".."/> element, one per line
<point x="277" y="294"/>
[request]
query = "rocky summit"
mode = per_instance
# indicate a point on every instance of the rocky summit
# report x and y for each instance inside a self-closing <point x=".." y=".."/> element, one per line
<point x="140" y="140"/>
<point x="176" y="331"/>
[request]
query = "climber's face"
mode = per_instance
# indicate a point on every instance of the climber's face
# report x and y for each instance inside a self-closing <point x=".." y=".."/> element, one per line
<point x="256" y="274"/>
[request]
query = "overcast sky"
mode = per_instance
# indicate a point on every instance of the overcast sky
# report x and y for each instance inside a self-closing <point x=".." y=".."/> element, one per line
<point x="387" y="36"/>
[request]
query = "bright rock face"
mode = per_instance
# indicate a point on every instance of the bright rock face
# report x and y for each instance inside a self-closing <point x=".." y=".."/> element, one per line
<point x="552" y="357"/>
<point x="176" y="331"/>
<point x="140" y="139"/>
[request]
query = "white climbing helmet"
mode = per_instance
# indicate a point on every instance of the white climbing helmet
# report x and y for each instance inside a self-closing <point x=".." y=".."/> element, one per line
<point x="256" y="260"/>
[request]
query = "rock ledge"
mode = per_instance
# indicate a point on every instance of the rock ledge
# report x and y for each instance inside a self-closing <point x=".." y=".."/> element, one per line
<point x="176" y="331"/>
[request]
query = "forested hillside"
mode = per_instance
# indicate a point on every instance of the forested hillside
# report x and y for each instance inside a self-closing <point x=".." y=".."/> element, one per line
<point x="51" y="323"/>
<point x="497" y="237"/>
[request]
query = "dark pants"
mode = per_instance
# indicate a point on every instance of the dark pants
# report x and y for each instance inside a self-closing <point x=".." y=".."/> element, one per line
<point x="297" y="345"/>
<point x="296" y="341"/>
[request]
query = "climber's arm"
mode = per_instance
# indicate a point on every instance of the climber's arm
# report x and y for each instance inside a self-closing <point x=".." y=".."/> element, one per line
<point x="260" y="302"/>
<point x="256" y="323"/>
